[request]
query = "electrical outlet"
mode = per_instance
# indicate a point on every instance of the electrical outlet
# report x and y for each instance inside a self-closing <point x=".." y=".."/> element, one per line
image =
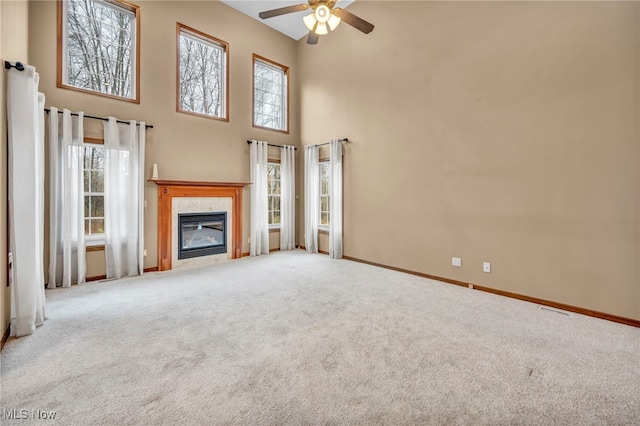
<point x="456" y="261"/>
<point x="144" y="253"/>
<point x="486" y="267"/>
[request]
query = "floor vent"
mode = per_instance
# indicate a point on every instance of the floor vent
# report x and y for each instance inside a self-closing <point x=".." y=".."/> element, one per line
<point x="557" y="311"/>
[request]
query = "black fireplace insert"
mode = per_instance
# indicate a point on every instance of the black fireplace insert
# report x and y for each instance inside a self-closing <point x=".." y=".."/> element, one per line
<point x="201" y="234"/>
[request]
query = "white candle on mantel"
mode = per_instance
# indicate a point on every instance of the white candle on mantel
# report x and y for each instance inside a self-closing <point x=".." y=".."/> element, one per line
<point x="154" y="176"/>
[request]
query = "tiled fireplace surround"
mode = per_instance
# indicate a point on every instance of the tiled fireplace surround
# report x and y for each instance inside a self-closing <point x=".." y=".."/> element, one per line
<point x="176" y="197"/>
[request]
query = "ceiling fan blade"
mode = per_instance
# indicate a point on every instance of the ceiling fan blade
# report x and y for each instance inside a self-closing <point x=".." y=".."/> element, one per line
<point x="283" y="11"/>
<point x="312" y="38"/>
<point x="353" y="20"/>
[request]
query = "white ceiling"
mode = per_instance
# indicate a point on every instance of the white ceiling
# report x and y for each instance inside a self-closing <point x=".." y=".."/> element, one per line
<point x="290" y="24"/>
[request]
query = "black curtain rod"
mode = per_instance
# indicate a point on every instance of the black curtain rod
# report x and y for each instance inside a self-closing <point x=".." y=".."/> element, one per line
<point x="147" y="126"/>
<point x="275" y="146"/>
<point x="339" y="140"/>
<point x="18" y="65"/>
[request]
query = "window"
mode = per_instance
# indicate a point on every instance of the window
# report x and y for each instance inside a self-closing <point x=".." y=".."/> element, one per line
<point x="270" y="94"/>
<point x="99" y="47"/>
<point x="94" y="193"/>
<point x="202" y="74"/>
<point x="325" y="205"/>
<point x="273" y="194"/>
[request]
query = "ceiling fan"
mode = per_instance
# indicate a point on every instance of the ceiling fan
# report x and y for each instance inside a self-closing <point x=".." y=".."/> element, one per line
<point x="323" y="19"/>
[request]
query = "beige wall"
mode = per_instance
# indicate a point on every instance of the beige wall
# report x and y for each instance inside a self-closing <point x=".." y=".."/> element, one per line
<point x="185" y="147"/>
<point x="492" y="131"/>
<point x="13" y="47"/>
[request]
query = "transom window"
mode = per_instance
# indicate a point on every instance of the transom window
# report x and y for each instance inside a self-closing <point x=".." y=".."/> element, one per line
<point x="273" y="194"/>
<point x="202" y="74"/>
<point x="270" y="94"/>
<point x="99" y="47"/>
<point x="94" y="193"/>
<point x="325" y="205"/>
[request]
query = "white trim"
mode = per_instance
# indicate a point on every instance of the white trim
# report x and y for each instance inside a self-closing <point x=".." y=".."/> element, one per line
<point x="94" y="240"/>
<point x="322" y="226"/>
<point x="213" y="44"/>
<point x="278" y="165"/>
<point x="284" y="94"/>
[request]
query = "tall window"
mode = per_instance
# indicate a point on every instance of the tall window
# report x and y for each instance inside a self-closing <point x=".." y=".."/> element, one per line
<point x="273" y="194"/>
<point x="325" y="205"/>
<point x="94" y="194"/>
<point x="202" y="74"/>
<point x="99" y="47"/>
<point x="270" y="94"/>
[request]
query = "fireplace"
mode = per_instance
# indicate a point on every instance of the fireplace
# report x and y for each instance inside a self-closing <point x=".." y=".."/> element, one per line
<point x="179" y="197"/>
<point x="202" y="234"/>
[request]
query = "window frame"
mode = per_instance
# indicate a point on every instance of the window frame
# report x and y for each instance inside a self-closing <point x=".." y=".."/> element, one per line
<point x="207" y="39"/>
<point x="61" y="49"/>
<point x="285" y="70"/>
<point x="322" y="163"/>
<point x="275" y="226"/>
<point x="95" y="241"/>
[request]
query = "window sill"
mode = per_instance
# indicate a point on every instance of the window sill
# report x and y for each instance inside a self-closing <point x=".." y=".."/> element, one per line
<point x="274" y="229"/>
<point x="135" y="100"/>
<point x="199" y="114"/>
<point x="285" y="131"/>
<point x="94" y="244"/>
<point x="323" y="230"/>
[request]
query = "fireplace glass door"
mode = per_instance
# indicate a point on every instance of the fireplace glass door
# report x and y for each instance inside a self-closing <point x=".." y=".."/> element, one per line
<point x="202" y="234"/>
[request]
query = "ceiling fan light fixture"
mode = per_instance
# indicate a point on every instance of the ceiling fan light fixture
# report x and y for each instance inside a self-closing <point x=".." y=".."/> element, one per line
<point x="333" y="22"/>
<point x="321" y="29"/>
<point x="310" y="21"/>
<point x="323" y="13"/>
<point x="324" y="17"/>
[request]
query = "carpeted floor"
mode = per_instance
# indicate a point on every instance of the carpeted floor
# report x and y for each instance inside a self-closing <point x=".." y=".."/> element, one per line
<point x="293" y="338"/>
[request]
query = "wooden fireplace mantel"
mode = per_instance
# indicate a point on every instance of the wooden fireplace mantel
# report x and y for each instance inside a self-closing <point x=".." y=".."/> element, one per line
<point x="239" y="185"/>
<point x="167" y="189"/>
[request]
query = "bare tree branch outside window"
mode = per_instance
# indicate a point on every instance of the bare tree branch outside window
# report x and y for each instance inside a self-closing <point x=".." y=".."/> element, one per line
<point x="100" y="47"/>
<point x="202" y="76"/>
<point x="270" y="96"/>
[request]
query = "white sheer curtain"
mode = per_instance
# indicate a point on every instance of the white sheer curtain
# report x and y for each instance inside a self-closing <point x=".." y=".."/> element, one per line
<point x="123" y="197"/>
<point x="67" y="261"/>
<point x="287" y="198"/>
<point x="259" y="236"/>
<point x="25" y="136"/>
<point x="311" y="198"/>
<point x="335" y="195"/>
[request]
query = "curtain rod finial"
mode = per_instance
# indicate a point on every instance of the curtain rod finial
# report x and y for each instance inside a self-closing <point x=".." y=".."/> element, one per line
<point x="19" y="66"/>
